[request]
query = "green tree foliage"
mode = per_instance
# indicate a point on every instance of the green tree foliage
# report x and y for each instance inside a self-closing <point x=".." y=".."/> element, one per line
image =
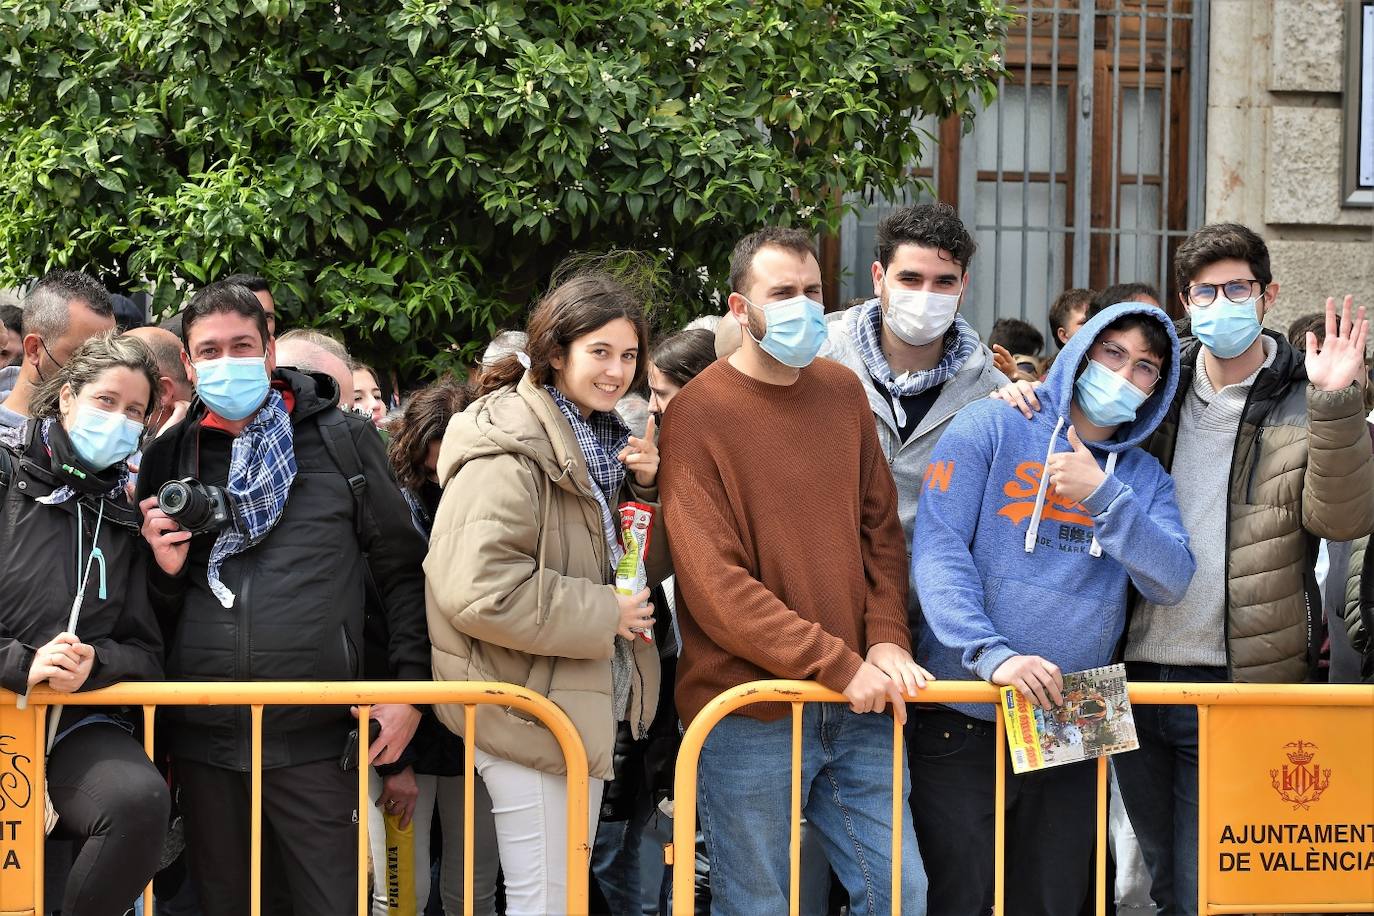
<point x="410" y="171"/>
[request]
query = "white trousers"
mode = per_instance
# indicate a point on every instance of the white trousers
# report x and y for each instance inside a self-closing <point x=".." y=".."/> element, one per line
<point x="531" y="813"/>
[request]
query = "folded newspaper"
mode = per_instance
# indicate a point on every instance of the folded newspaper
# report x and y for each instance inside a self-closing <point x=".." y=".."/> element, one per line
<point x="1094" y="720"/>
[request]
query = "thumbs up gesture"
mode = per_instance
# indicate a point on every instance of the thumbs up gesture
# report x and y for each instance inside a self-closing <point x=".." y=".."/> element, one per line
<point x="1075" y="474"/>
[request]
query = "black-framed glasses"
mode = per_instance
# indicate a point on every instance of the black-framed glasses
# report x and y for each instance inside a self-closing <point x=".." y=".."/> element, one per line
<point x="1144" y="374"/>
<point x="1204" y="294"/>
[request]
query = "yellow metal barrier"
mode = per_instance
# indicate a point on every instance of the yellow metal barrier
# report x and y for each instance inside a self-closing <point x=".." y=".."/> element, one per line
<point x="22" y="735"/>
<point x="1203" y="696"/>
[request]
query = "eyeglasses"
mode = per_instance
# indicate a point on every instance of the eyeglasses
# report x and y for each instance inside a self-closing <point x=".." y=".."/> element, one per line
<point x="1144" y="374"/>
<point x="1204" y="294"/>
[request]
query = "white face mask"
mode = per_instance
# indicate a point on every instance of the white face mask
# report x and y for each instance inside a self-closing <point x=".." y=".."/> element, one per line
<point x="919" y="317"/>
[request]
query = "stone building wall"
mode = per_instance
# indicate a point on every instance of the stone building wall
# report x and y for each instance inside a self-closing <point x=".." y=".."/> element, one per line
<point x="1274" y="140"/>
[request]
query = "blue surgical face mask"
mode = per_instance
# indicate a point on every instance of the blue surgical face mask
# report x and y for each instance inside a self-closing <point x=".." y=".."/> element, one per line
<point x="1106" y="398"/>
<point x="1225" y="328"/>
<point x="795" y="332"/>
<point x="103" y="438"/>
<point x="232" y="386"/>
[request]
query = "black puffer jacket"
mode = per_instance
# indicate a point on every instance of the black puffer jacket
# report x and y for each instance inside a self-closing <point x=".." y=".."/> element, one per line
<point x="39" y="558"/>
<point x="300" y="594"/>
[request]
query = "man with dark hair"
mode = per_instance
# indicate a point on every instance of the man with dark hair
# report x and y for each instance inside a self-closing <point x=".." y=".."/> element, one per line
<point x="1300" y="469"/>
<point x="12" y="341"/>
<point x="259" y="288"/>
<point x="1067" y="314"/>
<point x="61" y="312"/>
<point x="789" y="564"/>
<point x="919" y="362"/>
<point x="277" y="594"/>
<point x="1125" y="292"/>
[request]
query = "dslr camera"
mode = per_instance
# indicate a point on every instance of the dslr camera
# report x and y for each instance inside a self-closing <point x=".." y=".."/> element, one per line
<point x="194" y="506"/>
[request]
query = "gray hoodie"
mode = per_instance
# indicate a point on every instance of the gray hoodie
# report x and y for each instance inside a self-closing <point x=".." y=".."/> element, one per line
<point x="975" y="380"/>
<point x="9" y="420"/>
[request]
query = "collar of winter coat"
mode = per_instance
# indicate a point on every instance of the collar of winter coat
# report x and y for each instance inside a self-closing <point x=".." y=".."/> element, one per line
<point x="1288" y="368"/>
<point x="522" y="420"/>
<point x="306" y="394"/>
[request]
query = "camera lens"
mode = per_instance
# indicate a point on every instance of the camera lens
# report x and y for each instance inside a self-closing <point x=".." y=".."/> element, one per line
<point x="172" y="498"/>
<point x="187" y="503"/>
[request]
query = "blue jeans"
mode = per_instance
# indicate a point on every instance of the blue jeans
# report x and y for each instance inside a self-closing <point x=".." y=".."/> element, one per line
<point x="1159" y="786"/>
<point x="745" y="797"/>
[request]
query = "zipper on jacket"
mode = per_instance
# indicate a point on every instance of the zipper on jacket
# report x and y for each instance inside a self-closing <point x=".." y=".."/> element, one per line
<point x="1254" y="466"/>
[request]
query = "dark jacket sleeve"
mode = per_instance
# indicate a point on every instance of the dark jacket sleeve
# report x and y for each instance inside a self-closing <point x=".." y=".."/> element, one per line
<point x="396" y="554"/>
<point x="16" y="658"/>
<point x="133" y="650"/>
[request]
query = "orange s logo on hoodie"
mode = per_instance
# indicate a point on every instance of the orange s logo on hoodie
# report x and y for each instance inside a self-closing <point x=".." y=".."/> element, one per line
<point x="1021" y="491"/>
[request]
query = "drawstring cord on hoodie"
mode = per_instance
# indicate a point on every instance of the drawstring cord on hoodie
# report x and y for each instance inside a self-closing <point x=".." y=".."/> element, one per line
<point x="1032" y="532"/>
<point x="1096" y="549"/>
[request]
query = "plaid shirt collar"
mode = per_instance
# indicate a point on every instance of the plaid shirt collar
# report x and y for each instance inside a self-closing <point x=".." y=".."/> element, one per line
<point x="601" y="438"/>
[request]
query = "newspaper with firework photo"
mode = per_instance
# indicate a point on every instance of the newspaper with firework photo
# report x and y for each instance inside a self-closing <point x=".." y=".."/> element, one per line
<point x="1093" y="720"/>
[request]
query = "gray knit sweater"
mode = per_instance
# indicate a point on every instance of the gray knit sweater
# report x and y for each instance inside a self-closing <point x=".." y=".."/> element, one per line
<point x="1193" y="632"/>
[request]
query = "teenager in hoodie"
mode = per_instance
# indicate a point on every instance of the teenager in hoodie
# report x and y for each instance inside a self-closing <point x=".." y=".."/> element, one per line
<point x="1026" y="540"/>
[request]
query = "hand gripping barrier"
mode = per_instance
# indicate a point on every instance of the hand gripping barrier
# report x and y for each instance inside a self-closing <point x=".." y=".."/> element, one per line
<point x="1248" y="717"/>
<point x="22" y="782"/>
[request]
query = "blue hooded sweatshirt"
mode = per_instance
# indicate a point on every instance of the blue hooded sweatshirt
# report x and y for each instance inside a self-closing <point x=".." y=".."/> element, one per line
<point x="990" y="590"/>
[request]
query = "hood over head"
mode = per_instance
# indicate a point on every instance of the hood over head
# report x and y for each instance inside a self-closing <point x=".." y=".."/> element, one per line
<point x="1057" y="393"/>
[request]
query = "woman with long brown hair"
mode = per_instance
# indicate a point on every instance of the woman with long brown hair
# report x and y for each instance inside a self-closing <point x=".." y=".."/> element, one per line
<point x="521" y="566"/>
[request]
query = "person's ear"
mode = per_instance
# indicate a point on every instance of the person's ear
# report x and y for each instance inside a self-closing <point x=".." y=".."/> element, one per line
<point x="739" y="309"/>
<point x="270" y="356"/>
<point x="1062" y="335"/>
<point x="189" y="367"/>
<point x="878" y="272"/>
<point x="557" y="361"/>
<point x="33" y="350"/>
<point x="1271" y="295"/>
<point x="166" y="391"/>
<point x="66" y="401"/>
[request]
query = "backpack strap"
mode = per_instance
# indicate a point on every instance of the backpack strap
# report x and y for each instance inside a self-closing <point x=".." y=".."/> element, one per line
<point x="338" y="442"/>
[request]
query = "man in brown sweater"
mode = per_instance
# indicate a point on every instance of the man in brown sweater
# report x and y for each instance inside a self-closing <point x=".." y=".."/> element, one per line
<point x="782" y="521"/>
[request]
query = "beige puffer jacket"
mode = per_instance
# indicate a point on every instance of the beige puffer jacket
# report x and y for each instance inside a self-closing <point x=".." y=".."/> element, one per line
<point x="1301" y="470"/>
<point x="517" y="580"/>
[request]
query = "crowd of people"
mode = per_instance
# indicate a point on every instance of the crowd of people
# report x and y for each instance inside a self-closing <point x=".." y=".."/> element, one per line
<point x="870" y="499"/>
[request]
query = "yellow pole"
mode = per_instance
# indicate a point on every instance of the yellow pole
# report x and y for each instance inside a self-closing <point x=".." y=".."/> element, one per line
<point x="1101" y="851"/>
<point x="149" y="718"/>
<point x="794" y="878"/>
<point x="999" y="821"/>
<point x="255" y="816"/>
<point x="1203" y="777"/>
<point x="364" y="714"/>
<point x="897" y="804"/>
<point x="469" y="796"/>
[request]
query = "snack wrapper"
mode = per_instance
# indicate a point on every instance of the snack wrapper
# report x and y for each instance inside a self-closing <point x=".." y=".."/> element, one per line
<point x="631" y="578"/>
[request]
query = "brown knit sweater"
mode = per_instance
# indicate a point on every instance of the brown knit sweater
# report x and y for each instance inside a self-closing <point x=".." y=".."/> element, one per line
<point x="782" y="522"/>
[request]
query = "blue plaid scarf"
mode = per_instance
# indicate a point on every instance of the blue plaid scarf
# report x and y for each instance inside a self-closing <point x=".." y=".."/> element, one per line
<point x="601" y="438"/>
<point x="262" y="465"/>
<point x="64" y="493"/>
<point x="960" y="343"/>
